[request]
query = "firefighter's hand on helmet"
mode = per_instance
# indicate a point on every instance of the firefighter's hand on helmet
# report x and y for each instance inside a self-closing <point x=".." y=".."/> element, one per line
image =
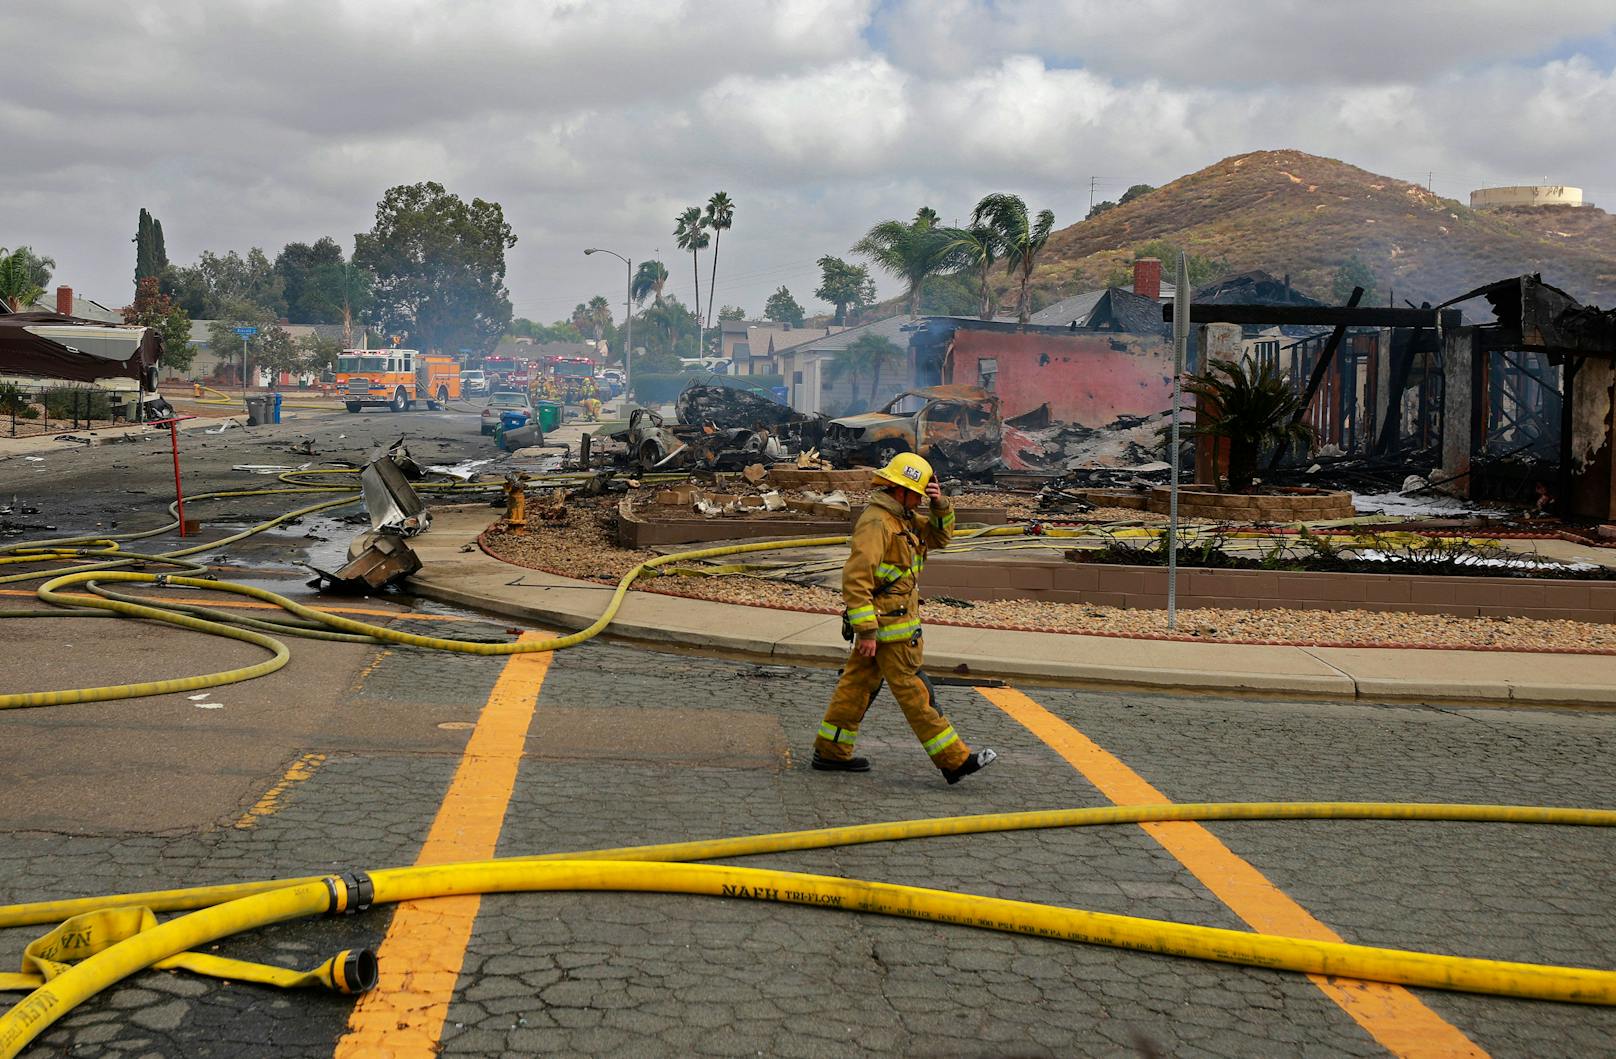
<point x="864" y="646"/>
<point x="934" y="491"/>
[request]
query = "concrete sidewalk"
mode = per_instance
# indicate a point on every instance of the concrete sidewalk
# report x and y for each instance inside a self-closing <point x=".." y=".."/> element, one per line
<point x="453" y="573"/>
<point x="35" y="444"/>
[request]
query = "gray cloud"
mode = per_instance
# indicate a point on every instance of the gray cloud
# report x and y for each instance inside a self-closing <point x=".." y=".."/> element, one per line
<point x="255" y="122"/>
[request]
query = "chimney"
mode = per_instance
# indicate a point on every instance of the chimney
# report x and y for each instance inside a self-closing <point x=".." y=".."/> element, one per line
<point x="64" y="301"/>
<point x="1147" y="277"/>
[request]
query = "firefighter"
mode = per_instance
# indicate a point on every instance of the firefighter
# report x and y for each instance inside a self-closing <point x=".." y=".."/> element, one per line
<point x="592" y="409"/>
<point x="881" y="590"/>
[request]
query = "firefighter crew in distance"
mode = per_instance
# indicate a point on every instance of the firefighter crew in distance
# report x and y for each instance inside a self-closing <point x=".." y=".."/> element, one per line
<point x="881" y="590"/>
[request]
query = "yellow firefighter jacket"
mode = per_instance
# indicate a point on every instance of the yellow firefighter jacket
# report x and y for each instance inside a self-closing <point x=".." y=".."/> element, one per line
<point x="889" y="549"/>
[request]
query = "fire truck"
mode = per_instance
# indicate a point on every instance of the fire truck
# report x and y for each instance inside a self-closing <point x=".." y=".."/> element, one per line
<point x="396" y="379"/>
<point x="570" y="373"/>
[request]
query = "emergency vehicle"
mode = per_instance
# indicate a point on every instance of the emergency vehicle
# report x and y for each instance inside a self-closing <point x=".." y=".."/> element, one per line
<point x="570" y="373"/>
<point x="396" y="379"/>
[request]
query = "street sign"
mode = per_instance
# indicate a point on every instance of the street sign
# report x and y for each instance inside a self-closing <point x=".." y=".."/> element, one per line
<point x="245" y="332"/>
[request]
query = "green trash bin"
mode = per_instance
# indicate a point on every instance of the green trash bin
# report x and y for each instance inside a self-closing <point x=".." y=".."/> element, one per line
<point x="549" y="415"/>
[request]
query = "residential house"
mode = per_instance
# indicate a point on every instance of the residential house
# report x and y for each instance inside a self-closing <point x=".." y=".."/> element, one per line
<point x="68" y="303"/>
<point x="813" y="386"/>
<point x="751" y="346"/>
<point x="1092" y="357"/>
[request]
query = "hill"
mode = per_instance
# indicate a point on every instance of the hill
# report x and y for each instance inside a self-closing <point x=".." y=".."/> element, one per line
<point x="1294" y="213"/>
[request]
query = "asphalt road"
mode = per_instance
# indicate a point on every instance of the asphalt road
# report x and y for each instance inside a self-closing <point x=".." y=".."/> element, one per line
<point x="355" y="757"/>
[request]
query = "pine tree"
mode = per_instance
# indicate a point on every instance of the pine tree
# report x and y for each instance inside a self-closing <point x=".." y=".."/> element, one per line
<point x="143" y="248"/>
<point x="158" y="249"/>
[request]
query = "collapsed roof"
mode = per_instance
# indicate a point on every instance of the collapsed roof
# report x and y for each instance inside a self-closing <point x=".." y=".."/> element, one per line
<point x="54" y="346"/>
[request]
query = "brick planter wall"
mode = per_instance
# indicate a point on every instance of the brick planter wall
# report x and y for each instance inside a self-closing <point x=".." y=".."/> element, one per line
<point x="1145" y="587"/>
<point x="1200" y="501"/>
<point x="681" y="526"/>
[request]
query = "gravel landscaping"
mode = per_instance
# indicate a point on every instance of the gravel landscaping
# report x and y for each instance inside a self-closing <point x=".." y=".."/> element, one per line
<point x="581" y="547"/>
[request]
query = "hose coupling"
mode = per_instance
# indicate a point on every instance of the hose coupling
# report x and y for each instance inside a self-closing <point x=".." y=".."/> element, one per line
<point x="354" y="971"/>
<point x="350" y="893"/>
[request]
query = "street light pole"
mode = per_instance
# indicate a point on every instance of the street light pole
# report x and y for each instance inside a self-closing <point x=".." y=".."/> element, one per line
<point x="628" y="320"/>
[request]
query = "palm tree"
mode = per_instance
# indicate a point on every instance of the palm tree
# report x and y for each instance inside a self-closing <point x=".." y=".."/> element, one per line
<point x="1021" y="237"/>
<point x="691" y="235"/>
<point x="649" y="280"/>
<point x="913" y="252"/>
<point x="978" y="248"/>
<point x="23" y="276"/>
<point x="581" y="319"/>
<point x="720" y="215"/>
<point x="600" y="315"/>
<point x="1252" y="405"/>
<point x="864" y="357"/>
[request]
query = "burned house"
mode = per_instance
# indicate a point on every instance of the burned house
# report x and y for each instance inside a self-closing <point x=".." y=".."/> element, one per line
<point x="1529" y="400"/>
<point x="1112" y="359"/>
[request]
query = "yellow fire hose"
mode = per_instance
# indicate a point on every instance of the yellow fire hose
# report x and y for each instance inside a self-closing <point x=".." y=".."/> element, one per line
<point x="59" y="984"/>
<point x="227" y="910"/>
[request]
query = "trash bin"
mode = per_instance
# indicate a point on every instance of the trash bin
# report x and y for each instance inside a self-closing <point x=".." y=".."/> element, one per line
<point x="549" y="415"/>
<point x="258" y="411"/>
<point x="509" y="421"/>
<point x="781" y="394"/>
<point x="275" y="413"/>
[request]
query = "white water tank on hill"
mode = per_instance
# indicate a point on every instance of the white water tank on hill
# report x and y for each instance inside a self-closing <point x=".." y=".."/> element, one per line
<point x="1526" y="195"/>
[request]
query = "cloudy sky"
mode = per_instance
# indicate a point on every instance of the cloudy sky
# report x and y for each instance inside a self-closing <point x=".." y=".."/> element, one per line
<point x="256" y="122"/>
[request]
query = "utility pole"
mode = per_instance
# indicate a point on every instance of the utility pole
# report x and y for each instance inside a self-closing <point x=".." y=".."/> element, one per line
<point x="1093" y="182"/>
<point x="1181" y="341"/>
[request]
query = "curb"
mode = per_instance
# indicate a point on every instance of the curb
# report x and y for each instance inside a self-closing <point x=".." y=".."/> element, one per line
<point x="1238" y="669"/>
<point x="830" y="650"/>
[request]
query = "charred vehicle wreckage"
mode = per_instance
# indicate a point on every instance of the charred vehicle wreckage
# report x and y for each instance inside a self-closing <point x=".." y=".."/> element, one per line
<point x="717" y="428"/>
<point x="725" y="428"/>
<point x="957" y="428"/>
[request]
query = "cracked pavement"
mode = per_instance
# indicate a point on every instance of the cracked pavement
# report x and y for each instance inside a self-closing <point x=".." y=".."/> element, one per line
<point x="631" y="746"/>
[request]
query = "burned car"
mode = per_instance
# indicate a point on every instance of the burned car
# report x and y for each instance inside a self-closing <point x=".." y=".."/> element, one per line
<point x="958" y="426"/>
<point x="719" y="428"/>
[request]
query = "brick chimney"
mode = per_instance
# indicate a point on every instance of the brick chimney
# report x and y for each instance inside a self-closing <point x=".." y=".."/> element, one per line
<point x="64" y="300"/>
<point x="1147" y="277"/>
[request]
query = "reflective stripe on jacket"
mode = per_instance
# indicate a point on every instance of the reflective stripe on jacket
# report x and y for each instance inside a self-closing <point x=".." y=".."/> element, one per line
<point x="889" y="545"/>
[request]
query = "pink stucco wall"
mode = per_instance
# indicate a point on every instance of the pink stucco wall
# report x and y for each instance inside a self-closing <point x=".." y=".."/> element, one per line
<point x="1086" y="378"/>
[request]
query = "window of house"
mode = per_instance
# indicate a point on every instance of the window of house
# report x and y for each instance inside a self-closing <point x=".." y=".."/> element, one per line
<point x="796" y="378"/>
<point x="987" y="370"/>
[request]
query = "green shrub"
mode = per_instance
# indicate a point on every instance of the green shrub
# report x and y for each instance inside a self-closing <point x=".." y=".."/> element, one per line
<point x="14" y="402"/>
<point x="70" y="402"/>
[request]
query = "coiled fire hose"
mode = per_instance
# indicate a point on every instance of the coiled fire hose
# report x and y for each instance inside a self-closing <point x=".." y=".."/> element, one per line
<point x="231" y="909"/>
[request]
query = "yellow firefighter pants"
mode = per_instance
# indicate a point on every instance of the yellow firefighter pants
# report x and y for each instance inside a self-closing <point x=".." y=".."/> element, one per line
<point x="899" y="665"/>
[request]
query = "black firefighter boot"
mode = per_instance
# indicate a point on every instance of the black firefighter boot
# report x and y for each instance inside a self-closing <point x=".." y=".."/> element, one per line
<point x="975" y="763"/>
<point x="852" y="764"/>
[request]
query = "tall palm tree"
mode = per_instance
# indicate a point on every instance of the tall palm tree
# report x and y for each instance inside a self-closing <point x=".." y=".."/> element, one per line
<point x="23" y="276"/>
<point x="691" y="234"/>
<point x="720" y="215"/>
<point x="913" y="252"/>
<point x="600" y="315"/>
<point x="649" y="280"/>
<point x="977" y="248"/>
<point x="1022" y="237"/>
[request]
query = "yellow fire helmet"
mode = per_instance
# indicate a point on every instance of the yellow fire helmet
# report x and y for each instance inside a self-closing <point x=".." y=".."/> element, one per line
<point x="908" y="470"/>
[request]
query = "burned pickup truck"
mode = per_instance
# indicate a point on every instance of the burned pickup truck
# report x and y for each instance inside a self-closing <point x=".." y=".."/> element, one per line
<point x="956" y="427"/>
<point x="719" y="428"/>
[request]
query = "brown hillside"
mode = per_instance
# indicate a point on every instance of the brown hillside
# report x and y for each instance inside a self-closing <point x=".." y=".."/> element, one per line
<point x="1296" y="213"/>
